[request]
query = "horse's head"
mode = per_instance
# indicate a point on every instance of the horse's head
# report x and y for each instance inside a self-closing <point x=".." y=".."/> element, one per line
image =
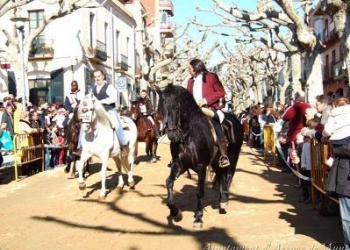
<point x="86" y="111"/>
<point x="135" y="110"/>
<point x="170" y="111"/>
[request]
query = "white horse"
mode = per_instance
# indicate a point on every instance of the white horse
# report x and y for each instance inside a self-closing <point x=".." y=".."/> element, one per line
<point x="101" y="141"/>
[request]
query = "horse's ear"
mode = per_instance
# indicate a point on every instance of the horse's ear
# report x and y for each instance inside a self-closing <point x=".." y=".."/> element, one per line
<point x="156" y="89"/>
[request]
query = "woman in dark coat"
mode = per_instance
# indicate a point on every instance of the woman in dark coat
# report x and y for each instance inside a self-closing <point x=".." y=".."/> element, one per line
<point x="337" y="128"/>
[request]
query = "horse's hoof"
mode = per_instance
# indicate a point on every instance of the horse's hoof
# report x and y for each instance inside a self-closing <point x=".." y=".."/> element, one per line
<point x="82" y="186"/>
<point x="223" y="205"/>
<point x="178" y="217"/>
<point x="154" y="160"/>
<point x="119" y="189"/>
<point x="197" y="225"/>
<point x="66" y="171"/>
<point x="131" y="184"/>
<point x="101" y="197"/>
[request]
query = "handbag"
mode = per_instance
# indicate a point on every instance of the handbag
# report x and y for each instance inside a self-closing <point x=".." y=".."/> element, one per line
<point x="6" y="142"/>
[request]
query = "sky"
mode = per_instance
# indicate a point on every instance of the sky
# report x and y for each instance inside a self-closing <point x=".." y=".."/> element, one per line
<point x="186" y="9"/>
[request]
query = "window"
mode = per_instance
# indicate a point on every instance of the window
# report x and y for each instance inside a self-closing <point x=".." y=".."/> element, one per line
<point x="36" y="18"/>
<point x="106" y="36"/>
<point x="91" y="24"/>
<point x="116" y="49"/>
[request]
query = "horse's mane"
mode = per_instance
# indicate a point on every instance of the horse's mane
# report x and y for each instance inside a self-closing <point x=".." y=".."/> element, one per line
<point x="188" y="106"/>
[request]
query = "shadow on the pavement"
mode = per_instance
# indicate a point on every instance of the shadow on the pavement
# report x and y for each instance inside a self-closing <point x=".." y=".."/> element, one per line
<point x="303" y="217"/>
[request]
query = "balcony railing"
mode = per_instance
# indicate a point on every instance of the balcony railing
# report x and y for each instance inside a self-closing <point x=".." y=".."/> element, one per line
<point x="167" y="29"/>
<point x="98" y="51"/>
<point x="329" y="33"/>
<point x="122" y="64"/>
<point x="41" y="50"/>
<point x="167" y="5"/>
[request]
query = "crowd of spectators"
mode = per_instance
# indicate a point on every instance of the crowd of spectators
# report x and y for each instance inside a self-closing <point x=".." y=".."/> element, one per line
<point x="299" y="122"/>
<point x="49" y="119"/>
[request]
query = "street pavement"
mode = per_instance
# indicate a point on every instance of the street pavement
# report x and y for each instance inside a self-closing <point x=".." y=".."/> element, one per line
<point x="48" y="211"/>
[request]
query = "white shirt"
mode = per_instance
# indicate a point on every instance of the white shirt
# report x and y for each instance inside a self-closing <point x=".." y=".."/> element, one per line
<point x="197" y="88"/>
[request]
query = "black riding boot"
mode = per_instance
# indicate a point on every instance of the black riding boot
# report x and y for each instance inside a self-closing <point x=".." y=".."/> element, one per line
<point x="224" y="161"/>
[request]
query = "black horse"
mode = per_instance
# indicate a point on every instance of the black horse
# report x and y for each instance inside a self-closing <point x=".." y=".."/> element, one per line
<point x="193" y="146"/>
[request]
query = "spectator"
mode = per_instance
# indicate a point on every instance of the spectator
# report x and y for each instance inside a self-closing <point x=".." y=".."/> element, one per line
<point x="295" y="116"/>
<point x="34" y="119"/>
<point x="305" y="164"/>
<point x="24" y="127"/>
<point x="7" y="119"/>
<point x="337" y="129"/>
<point x="74" y="97"/>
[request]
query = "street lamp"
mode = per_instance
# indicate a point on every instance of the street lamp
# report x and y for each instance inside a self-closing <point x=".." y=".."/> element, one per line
<point x="19" y="22"/>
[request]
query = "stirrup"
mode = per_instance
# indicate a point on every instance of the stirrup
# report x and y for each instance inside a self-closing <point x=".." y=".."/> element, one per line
<point x="224" y="162"/>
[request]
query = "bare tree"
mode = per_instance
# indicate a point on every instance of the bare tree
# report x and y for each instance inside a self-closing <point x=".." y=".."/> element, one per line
<point x="10" y="47"/>
<point x="278" y="25"/>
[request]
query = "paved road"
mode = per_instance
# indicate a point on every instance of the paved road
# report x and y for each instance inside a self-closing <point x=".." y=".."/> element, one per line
<point x="47" y="211"/>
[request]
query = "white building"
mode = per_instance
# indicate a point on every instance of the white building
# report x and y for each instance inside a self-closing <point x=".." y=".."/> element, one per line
<point x="99" y="36"/>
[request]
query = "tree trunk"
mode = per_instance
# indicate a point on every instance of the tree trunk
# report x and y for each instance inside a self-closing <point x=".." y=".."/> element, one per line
<point x="296" y="73"/>
<point x="314" y="84"/>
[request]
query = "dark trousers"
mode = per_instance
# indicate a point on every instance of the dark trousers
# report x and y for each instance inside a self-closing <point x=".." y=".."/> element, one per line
<point x="305" y="185"/>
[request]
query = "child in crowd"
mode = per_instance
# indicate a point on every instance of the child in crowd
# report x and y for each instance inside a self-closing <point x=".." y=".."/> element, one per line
<point x="61" y="152"/>
<point x="305" y="165"/>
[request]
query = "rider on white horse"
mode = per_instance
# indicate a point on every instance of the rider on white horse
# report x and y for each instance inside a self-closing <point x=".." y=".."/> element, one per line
<point x="146" y="108"/>
<point x="107" y="95"/>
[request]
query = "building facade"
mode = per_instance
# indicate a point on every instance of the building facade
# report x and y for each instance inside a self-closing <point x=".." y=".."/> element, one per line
<point x="98" y="36"/>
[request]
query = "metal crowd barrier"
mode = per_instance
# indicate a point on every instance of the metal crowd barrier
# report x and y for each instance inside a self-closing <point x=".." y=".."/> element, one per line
<point x="319" y="170"/>
<point x="270" y="143"/>
<point x="28" y="148"/>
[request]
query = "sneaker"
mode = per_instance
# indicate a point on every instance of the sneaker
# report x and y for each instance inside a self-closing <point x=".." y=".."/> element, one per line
<point x="125" y="151"/>
<point x="224" y="162"/>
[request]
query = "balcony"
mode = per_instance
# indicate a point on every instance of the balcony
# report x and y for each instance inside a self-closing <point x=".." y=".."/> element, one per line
<point x="167" y="5"/>
<point x="329" y="35"/>
<point x="122" y="65"/>
<point x="167" y="29"/>
<point x="169" y="47"/>
<point x="41" y="51"/>
<point x="98" y="52"/>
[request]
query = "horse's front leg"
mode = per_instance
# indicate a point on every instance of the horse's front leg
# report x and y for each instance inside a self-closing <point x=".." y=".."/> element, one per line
<point x="198" y="222"/>
<point x="154" y="151"/>
<point x="103" y="175"/>
<point x="225" y="182"/>
<point x="80" y="167"/>
<point x="175" y="213"/>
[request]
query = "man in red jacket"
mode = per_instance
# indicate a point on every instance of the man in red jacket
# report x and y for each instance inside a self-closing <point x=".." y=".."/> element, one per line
<point x="295" y="116"/>
<point x="209" y="94"/>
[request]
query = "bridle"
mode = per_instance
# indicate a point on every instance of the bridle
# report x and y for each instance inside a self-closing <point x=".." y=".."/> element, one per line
<point x="176" y="127"/>
<point x="86" y="119"/>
